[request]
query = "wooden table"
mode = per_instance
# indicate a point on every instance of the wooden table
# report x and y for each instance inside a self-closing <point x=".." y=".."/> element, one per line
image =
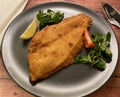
<point x="8" y="88"/>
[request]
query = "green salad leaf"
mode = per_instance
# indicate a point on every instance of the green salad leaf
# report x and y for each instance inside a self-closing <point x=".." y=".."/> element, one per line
<point x="48" y="18"/>
<point x="99" y="54"/>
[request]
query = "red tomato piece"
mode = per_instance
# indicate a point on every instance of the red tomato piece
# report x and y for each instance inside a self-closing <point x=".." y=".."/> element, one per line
<point x="88" y="41"/>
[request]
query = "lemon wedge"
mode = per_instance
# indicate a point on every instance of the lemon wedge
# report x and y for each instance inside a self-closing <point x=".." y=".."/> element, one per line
<point x="30" y="30"/>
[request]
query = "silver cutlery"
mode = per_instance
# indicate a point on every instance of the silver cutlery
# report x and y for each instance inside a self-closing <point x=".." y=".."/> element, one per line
<point x="111" y="14"/>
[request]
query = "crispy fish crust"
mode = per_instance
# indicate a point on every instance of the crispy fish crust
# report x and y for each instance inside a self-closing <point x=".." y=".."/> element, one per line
<point x="56" y="46"/>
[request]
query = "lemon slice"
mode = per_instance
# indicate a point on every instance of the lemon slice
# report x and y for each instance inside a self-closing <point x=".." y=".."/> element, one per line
<point x="30" y="31"/>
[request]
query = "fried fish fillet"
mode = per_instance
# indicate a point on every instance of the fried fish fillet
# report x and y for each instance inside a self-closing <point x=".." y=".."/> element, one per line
<point x="56" y="46"/>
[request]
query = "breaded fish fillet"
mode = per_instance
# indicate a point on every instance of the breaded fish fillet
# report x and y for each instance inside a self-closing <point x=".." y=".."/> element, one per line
<point x="56" y="46"/>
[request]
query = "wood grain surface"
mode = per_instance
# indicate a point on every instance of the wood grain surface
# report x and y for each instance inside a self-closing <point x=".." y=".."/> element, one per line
<point x="8" y="88"/>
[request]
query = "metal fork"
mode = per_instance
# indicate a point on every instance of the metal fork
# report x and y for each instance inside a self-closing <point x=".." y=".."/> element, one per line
<point x="110" y="19"/>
